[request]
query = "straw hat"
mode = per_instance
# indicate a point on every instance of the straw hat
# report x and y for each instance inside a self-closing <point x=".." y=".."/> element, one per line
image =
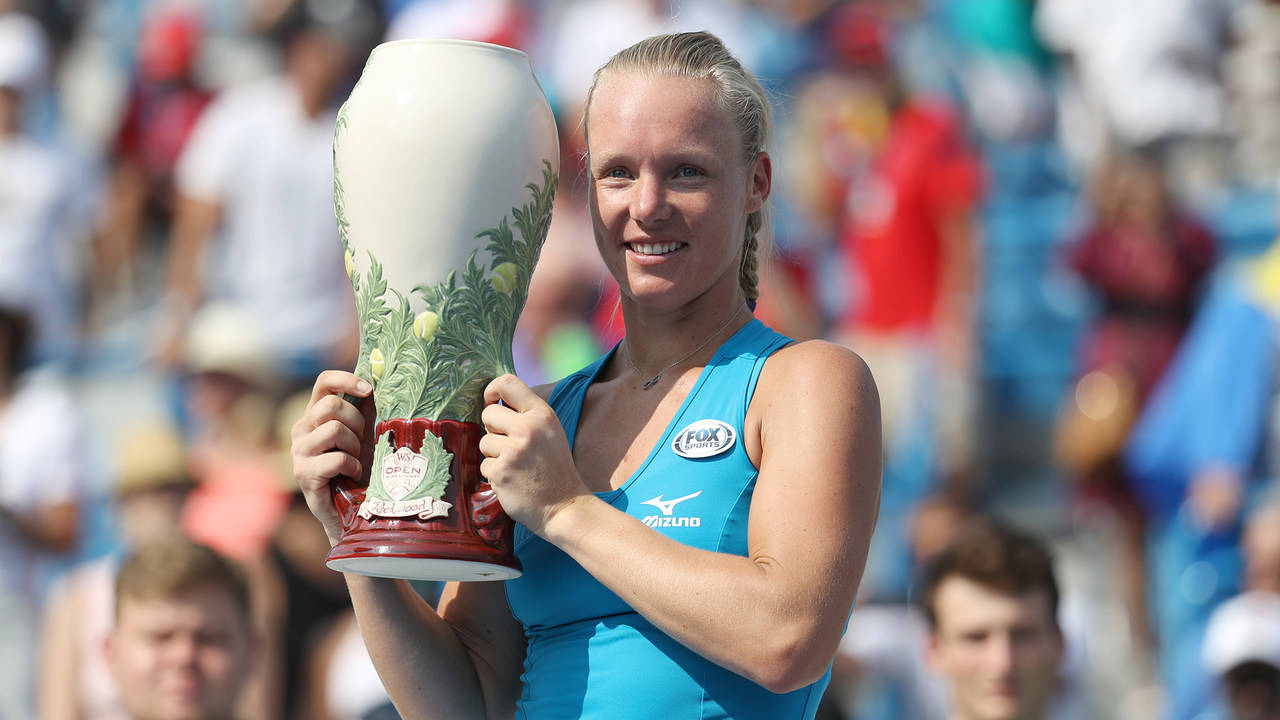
<point x="151" y="456"/>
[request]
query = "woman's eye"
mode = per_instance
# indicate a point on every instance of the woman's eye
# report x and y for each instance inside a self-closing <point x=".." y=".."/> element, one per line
<point x="616" y="173"/>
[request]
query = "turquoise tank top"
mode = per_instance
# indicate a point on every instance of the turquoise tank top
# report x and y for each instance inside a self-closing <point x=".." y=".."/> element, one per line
<point x="589" y="654"/>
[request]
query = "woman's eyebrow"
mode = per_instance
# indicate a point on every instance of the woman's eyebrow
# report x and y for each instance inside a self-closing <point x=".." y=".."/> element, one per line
<point x="682" y="153"/>
<point x="601" y="159"/>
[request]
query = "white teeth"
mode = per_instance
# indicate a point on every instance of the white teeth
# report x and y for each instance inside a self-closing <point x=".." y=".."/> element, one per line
<point x="654" y="248"/>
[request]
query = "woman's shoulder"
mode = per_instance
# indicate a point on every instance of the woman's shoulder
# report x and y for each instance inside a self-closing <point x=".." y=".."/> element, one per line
<point x="817" y="366"/>
<point x="818" y="355"/>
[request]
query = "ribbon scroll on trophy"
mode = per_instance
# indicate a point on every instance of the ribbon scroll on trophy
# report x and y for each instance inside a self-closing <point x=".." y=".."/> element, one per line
<point x="445" y="165"/>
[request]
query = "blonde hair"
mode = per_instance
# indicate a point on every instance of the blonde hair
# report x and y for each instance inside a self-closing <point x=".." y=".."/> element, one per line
<point x="702" y="55"/>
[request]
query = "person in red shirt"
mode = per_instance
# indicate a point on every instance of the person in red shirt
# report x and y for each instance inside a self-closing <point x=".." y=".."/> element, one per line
<point x="907" y="230"/>
<point x="161" y="110"/>
<point x="907" y="245"/>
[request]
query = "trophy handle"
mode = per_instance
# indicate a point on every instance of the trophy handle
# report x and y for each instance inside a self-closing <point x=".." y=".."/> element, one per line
<point x="347" y="496"/>
<point x="487" y="515"/>
<point x="347" y="493"/>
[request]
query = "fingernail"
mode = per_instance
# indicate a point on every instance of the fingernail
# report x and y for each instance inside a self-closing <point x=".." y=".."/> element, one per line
<point x="363" y="386"/>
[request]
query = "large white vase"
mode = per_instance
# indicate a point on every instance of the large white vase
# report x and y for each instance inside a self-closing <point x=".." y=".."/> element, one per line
<point x="445" y="166"/>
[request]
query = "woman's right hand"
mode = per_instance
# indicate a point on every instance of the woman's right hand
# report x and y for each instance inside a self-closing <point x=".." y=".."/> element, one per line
<point x="330" y="440"/>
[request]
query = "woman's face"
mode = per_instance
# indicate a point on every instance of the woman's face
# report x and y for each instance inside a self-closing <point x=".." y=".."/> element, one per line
<point x="669" y="191"/>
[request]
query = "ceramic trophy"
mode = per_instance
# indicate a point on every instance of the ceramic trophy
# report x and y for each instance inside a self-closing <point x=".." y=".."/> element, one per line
<point x="445" y="165"/>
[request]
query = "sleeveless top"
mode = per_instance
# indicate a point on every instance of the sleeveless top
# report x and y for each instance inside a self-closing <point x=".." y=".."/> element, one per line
<point x="590" y="655"/>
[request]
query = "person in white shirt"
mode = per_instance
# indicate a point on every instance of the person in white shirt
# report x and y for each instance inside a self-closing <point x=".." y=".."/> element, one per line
<point x="255" y="189"/>
<point x="45" y="216"/>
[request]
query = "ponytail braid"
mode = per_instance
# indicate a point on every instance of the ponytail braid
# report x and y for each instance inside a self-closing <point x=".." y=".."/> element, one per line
<point x="748" y="274"/>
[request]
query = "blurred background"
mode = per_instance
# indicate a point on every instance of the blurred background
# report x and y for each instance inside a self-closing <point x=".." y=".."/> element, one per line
<point x="1047" y="225"/>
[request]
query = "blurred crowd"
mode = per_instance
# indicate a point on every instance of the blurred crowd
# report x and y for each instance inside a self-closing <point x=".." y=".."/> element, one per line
<point x="1047" y="225"/>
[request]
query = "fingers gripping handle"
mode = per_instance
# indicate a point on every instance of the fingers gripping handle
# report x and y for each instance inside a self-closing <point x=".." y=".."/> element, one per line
<point x="348" y="492"/>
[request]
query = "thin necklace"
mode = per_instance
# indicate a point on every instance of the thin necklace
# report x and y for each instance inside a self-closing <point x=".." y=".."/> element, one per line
<point x="654" y="381"/>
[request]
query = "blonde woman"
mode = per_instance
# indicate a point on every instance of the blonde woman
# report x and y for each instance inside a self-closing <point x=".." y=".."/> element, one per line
<point x="695" y="507"/>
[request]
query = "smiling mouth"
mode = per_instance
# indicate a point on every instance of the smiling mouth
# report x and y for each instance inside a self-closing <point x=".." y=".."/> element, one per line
<point x="654" y="248"/>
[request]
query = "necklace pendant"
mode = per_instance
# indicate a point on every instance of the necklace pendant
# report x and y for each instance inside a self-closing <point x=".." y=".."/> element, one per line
<point x="652" y="382"/>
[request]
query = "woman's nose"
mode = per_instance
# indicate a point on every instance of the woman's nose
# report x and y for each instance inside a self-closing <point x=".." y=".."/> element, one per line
<point x="650" y="202"/>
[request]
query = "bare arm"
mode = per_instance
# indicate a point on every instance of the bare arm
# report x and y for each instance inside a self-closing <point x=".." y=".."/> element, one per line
<point x="957" y="296"/>
<point x="50" y="527"/>
<point x="59" y="684"/>
<point x="814" y="430"/>
<point x="461" y="662"/>
<point x="194" y="222"/>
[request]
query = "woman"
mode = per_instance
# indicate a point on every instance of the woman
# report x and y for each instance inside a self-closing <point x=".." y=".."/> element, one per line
<point x="713" y="584"/>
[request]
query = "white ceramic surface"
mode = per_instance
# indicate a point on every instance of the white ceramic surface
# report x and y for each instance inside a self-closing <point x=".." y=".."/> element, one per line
<point x="445" y="161"/>
<point x="442" y="137"/>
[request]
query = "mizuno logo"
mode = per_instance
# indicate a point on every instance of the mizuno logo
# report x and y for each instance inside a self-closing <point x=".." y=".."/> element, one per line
<point x="669" y="506"/>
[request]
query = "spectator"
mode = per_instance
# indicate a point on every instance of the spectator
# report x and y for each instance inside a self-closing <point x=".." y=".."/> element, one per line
<point x="162" y="108"/>
<point x="908" y="247"/>
<point x="152" y="484"/>
<point x="182" y="644"/>
<point x="1193" y="459"/>
<point x="301" y="597"/>
<point x="1145" y="259"/>
<point x="991" y="600"/>
<point x="240" y="495"/>
<point x="257" y="174"/>
<point x="43" y="215"/>
<point x="1242" y="650"/>
<point x="1145" y="75"/>
<point x="41" y="497"/>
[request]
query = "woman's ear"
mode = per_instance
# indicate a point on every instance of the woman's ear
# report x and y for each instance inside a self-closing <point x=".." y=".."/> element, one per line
<point x="761" y="182"/>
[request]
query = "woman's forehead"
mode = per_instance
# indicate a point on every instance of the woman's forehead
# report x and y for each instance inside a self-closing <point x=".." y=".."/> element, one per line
<point x="630" y="101"/>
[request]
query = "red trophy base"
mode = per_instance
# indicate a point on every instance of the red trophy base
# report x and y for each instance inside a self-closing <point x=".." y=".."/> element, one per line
<point x="472" y="542"/>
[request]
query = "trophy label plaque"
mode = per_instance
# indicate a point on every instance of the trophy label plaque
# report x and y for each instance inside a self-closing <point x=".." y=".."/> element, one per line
<point x="445" y="172"/>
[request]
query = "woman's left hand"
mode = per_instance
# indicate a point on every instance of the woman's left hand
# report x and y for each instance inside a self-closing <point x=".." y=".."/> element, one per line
<point x="526" y="456"/>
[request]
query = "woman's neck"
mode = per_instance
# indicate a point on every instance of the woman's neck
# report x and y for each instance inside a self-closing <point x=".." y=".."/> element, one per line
<point x="660" y="341"/>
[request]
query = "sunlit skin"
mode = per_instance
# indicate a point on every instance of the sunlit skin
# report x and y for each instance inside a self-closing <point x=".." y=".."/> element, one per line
<point x="181" y="658"/>
<point x="150" y="515"/>
<point x="999" y="653"/>
<point x="1262" y="550"/>
<point x="666" y="165"/>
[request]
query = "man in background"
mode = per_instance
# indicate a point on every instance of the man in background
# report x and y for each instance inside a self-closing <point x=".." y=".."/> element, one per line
<point x="183" y="645"/>
<point x="991" y="600"/>
<point x="1241" y="647"/>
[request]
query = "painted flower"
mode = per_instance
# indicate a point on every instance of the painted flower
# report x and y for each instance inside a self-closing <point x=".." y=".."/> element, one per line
<point x="377" y="363"/>
<point x="425" y="324"/>
<point x="351" y="263"/>
<point x="504" y="277"/>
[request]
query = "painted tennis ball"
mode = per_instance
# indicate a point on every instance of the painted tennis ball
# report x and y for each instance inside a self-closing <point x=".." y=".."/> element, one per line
<point x="377" y="363"/>
<point x="351" y="263"/>
<point x="504" y="277"/>
<point x="424" y="326"/>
